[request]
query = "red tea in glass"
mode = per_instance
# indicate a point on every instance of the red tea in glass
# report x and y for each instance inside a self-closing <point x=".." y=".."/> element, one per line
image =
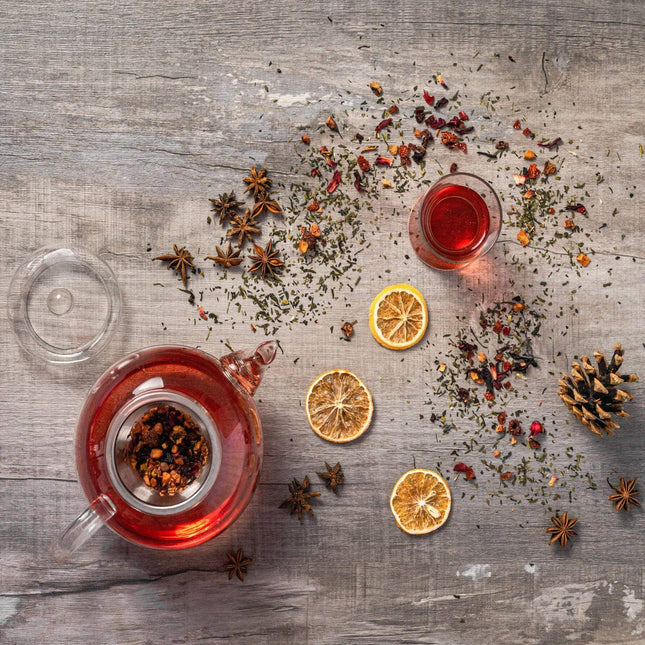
<point x="455" y="222"/>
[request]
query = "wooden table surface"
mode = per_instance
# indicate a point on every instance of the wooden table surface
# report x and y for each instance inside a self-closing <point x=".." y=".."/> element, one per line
<point x="118" y="120"/>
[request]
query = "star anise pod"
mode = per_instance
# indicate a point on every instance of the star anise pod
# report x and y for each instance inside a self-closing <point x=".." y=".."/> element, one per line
<point x="265" y="260"/>
<point x="237" y="564"/>
<point x="334" y="477"/>
<point x="265" y="203"/>
<point x="226" y="206"/>
<point x="244" y="226"/>
<point x="179" y="261"/>
<point x="297" y="502"/>
<point x="257" y="182"/>
<point x="562" y="529"/>
<point x="228" y="258"/>
<point x="625" y="494"/>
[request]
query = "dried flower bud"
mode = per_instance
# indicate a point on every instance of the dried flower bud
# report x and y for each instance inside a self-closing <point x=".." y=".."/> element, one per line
<point x="331" y="124"/>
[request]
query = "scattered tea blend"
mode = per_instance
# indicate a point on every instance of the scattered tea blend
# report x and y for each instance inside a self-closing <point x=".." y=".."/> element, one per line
<point x="167" y="449"/>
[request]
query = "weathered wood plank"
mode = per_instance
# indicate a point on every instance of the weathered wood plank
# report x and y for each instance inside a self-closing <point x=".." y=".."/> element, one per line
<point x="118" y="122"/>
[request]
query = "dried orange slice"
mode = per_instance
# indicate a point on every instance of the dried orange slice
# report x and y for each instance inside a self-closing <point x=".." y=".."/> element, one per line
<point x="398" y="317"/>
<point x="339" y="406"/>
<point x="420" y="501"/>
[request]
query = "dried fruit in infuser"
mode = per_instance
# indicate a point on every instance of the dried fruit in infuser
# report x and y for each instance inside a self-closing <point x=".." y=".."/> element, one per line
<point x="265" y="260"/>
<point x="625" y="494"/>
<point x="562" y="529"/>
<point x="225" y="206"/>
<point x="179" y="261"/>
<point x="166" y="449"/>
<point x="592" y="393"/>
<point x="257" y="182"/>
<point x="398" y="317"/>
<point x="333" y="476"/>
<point x="420" y="501"/>
<point x="298" y="501"/>
<point x="228" y="258"/>
<point x="339" y="406"/>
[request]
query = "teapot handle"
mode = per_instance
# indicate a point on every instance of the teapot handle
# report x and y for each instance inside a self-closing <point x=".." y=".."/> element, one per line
<point x="83" y="527"/>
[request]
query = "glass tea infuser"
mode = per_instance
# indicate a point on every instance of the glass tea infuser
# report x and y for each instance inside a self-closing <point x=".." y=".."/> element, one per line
<point x="130" y="475"/>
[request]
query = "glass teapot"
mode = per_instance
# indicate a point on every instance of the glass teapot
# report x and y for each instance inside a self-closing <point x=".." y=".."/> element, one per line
<point x="216" y="394"/>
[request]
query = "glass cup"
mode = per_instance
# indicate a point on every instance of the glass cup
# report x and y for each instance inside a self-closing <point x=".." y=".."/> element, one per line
<point x="455" y="222"/>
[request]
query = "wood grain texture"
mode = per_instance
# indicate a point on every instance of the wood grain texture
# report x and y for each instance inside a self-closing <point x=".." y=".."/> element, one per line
<point x="118" y="120"/>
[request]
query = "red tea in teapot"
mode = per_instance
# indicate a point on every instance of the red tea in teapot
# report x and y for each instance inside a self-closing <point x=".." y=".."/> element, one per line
<point x="211" y="399"/>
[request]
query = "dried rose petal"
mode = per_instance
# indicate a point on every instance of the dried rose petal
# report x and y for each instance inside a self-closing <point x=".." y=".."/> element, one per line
<point x="358" y="182"/>
<point x="534" y="444"/>
<point x="527" y="132"/>
<point x="517" y="125"/>
<point x="463" y="116"/>
<point x="453" y="167"/>
<point x="428" y="98"/>
<point x="442" y="102"/>
<point x="383" y="124"/>
<point x="470" y="473"/>
<point x="506" y="476"/>
<point x="393" y="109"/>
<point x="335" y="182"/>
<point x="460" y="467"/>
<point x="578" y="208"/>
<point x="551" y="144"/>
<point x="384" y="161"/>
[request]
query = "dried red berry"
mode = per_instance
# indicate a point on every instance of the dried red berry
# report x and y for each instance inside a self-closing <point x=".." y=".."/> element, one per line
<point x="536" y="428"/>
<point x="363" y="163"/>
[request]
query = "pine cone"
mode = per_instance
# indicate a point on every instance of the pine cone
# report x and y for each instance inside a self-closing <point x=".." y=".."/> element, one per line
<point x="591" y="393"/>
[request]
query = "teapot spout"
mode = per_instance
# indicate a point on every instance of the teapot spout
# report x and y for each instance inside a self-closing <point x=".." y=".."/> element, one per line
<point x="245" y="368"/>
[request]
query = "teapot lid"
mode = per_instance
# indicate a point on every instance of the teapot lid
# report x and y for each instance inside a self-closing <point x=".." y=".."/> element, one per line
<point x="63" y="304"/>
